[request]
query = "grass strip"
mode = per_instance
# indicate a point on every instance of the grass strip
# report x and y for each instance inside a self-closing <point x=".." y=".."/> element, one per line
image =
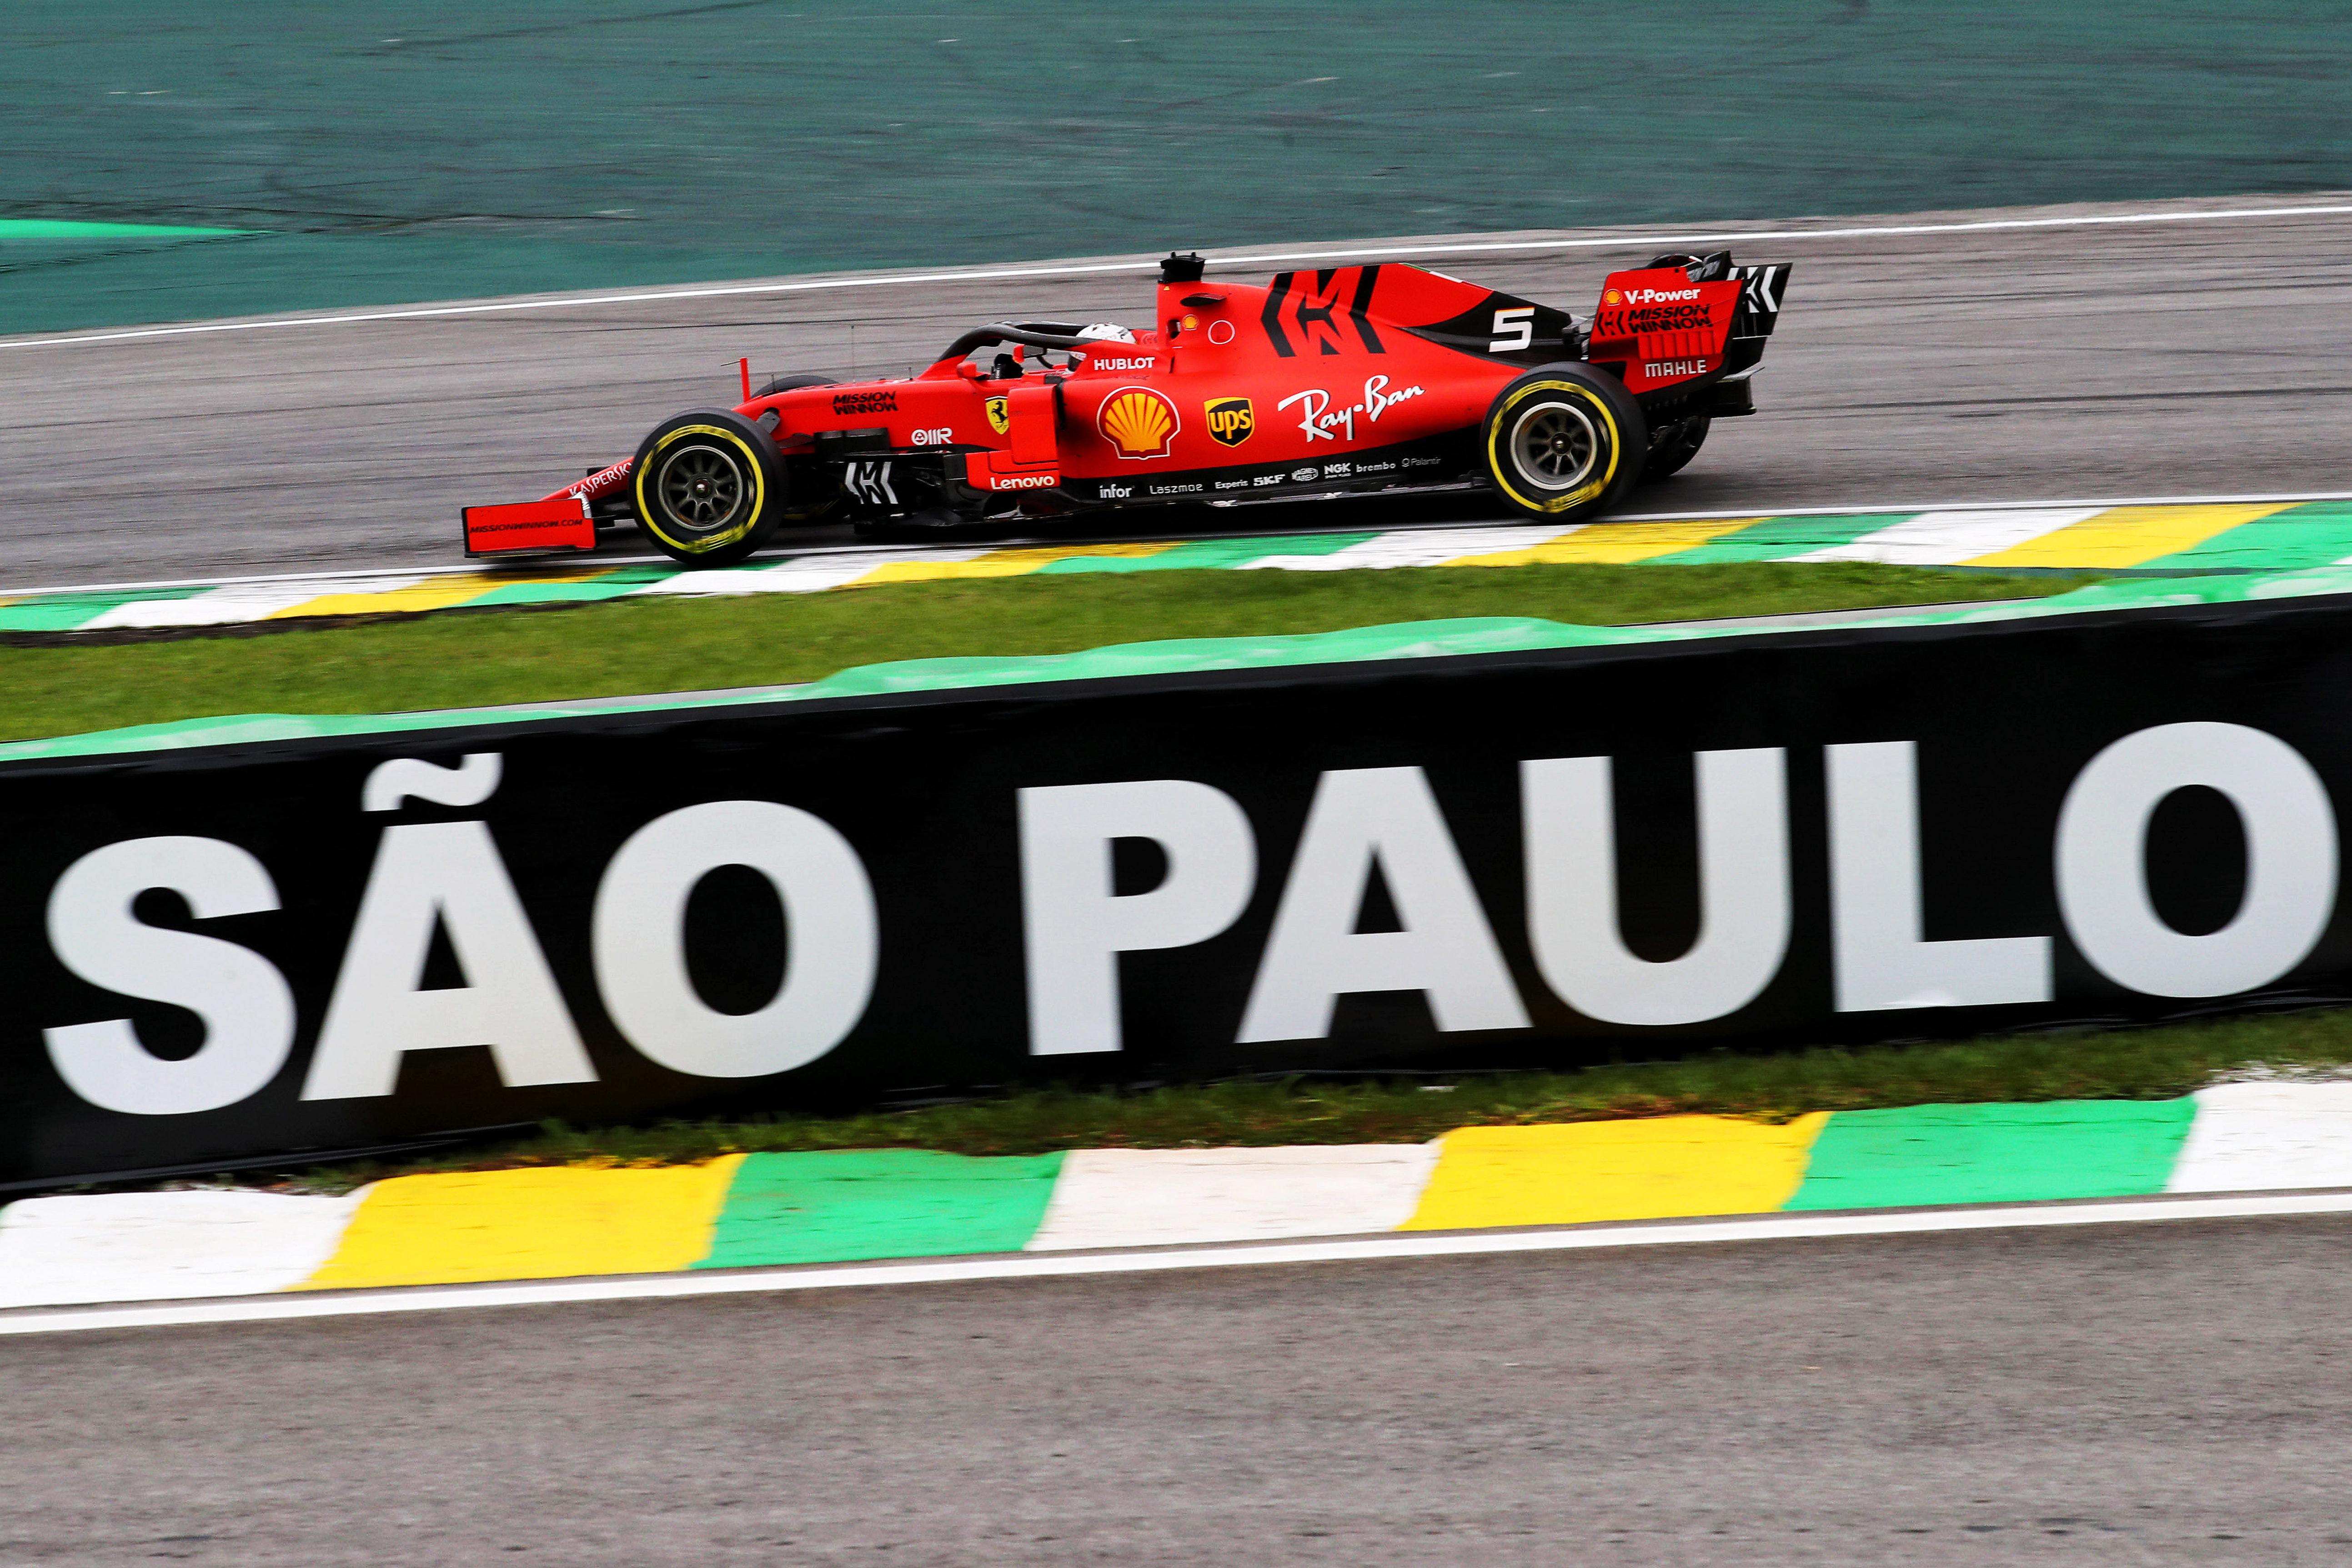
<point x="660" y="643"/>
<point x="2157" y="1063"/>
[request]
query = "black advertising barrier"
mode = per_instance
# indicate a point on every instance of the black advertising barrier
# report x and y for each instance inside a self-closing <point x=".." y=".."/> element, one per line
<point x="237" y="952"/>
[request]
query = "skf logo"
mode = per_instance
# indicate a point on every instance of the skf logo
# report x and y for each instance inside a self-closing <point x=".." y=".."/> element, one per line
<point x="1138" y="421"/>
<point x="1000" y="417"/>
<point x="1231" y="420"/>
<point x="1613" y="297"/>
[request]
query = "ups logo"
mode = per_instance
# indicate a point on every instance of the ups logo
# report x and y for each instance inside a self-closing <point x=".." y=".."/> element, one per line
<point x="1231" y="420"/>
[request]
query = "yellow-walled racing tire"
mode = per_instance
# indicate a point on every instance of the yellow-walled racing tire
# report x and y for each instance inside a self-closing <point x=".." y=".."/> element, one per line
<point x="710" y="488"/>
<point x="1563" y="442"/>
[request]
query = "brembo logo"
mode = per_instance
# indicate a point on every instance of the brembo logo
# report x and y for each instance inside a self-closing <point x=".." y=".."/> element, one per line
<point x="1658" y="296"/>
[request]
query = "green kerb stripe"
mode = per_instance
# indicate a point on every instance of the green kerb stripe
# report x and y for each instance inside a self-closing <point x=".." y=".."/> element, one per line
<point x="837" y="1206"/>
<point x="611" y="585"/>
<point x="1994" y="1154"/>
<point x="1211" y="553"/>
<point x="2314" y="534"/>
<point x="1777" y="537"/>
<point x="71" y="611"/>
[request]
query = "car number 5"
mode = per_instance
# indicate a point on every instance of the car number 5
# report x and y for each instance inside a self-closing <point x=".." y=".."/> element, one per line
<point x="1514" y="329"/>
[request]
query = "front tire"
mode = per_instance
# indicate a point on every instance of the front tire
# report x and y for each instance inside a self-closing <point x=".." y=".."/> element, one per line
<point x="1563" y="442"/>
<point x="710" y="488"/>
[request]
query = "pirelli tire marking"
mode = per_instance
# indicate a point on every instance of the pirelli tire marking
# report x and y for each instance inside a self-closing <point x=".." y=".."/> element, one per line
<point x="651" y="515"/>
<point x="1502" y="462"/>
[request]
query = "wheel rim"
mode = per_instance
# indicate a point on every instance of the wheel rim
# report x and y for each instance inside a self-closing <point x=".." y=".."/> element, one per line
<point x="701" y="488"/>
<point x="1555" y="445"/>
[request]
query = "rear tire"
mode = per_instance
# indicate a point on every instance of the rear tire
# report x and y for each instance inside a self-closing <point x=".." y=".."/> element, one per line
<point x="710" y="488"/>
<point x="1563" y="442"/>
<point x="1672" y="445"/>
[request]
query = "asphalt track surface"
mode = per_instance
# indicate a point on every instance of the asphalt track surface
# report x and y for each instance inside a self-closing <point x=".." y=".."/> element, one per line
<point x="2109" y="360"/>
<point x="2161" y="1392"/>
<point x="2141" y="1394"/>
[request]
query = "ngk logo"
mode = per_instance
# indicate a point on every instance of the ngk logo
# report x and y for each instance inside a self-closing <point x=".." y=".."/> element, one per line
<point x="1658" y="296"/>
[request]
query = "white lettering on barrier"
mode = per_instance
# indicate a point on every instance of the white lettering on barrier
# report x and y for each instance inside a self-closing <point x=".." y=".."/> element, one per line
<point x="1881" y="961"/>
<point x="1385" y="816"/>
<point x="446" y="875"/>
<point x="473" y="781"/>
<point x="1074" y="925"/>
<point x="245" y="1005"/>
<point x="1569" y="817"/>
<point x="833" y="939"/>
<point x="449" y="875"/>
<point x="2290" y="859"/>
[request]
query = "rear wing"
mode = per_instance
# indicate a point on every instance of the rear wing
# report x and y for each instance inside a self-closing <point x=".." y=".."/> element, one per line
<point x="1685" y="322"/>
<point x="1760" y="298"/>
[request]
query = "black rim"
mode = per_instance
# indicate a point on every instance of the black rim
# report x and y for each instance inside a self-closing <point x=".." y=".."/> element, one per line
<point x="1554" y="446"/>
<point x="702" y="489"/>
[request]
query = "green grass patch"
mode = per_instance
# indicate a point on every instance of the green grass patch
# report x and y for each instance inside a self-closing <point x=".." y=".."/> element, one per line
<point x="631" y="646"/>
<point x="2130" y="1063"/>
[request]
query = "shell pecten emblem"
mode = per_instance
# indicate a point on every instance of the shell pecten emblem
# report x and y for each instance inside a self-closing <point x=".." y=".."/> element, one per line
<point x="1138" y="422"/>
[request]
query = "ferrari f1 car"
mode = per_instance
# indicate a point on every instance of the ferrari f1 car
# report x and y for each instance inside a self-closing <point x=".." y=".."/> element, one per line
<point x="1347" y="379"/>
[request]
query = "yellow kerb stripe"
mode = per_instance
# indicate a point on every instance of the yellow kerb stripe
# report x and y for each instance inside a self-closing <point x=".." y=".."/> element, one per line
<point x="542" y="1224"/>
<point x="1653" y="1168"/>
<point x="998" y="562"/>
<point x="1619" y="543"/>
<point x="2126" y="536"/>
<point x="437" y="594"/>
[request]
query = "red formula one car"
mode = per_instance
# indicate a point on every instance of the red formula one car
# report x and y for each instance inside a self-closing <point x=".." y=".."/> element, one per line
<point x="1347" y="379"/>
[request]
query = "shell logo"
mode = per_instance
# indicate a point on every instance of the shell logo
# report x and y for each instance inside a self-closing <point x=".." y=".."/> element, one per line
<point x="1611" y="296"/>
<point x="1138" y="422"/>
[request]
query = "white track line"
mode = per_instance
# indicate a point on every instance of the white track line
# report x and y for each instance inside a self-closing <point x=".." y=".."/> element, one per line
<point x="1045" y="1266"/>
<point x="1073" y="269"/>
<point x="1239" y="536"/>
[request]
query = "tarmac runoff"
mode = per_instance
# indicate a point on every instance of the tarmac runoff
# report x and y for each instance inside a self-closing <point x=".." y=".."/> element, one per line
<point x="2161" y="537"/>
<point x="760" y="1221"/>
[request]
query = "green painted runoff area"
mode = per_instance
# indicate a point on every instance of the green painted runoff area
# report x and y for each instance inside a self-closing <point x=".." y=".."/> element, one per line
<point x="376" y="152"/>
<point x="2316" y="533"/>
<point x="1928" y="1155"/>
<point x="839" y="1207"/>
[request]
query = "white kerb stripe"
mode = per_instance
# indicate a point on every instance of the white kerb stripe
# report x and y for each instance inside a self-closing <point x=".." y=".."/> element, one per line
<point x="2251" y="1137"/>
<point x="803" y="573"/>
<point x="223" y="607"/>
<point x="1157" y="1197"/>
<point x="148" y="1246"/>
<point x="1047" y="1265"/>
<point x="1948" y="538"/>
<point x="1415" y="547"/>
